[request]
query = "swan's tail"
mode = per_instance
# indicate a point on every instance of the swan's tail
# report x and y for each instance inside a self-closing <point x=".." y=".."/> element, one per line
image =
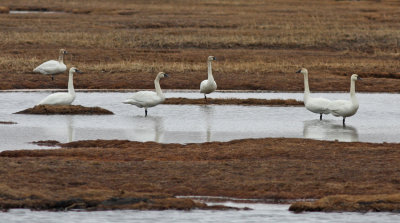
<point x="130" y="101"/>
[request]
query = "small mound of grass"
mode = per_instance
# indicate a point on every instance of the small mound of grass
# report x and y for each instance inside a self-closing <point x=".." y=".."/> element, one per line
<point x="233" y="101"/>
<point x="65" y="110"/>
<point x="351" y="203"/>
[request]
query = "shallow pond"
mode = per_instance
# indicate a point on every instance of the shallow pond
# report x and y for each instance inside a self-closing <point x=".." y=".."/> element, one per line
<point x="376" y="120"/>
<point x="260" y="213"/>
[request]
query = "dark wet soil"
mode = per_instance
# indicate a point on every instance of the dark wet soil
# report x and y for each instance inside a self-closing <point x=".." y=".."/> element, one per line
<point x="65" y="110"/>
<point x="233" y="101"/>
<point x="7" y="123"/>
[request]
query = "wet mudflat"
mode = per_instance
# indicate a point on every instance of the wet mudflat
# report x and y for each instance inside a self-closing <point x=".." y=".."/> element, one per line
<point x="376" y="120"/>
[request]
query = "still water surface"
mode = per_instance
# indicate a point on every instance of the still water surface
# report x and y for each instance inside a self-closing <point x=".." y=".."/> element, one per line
<point x="376" y="121"/>
<point x="273" y="213"/>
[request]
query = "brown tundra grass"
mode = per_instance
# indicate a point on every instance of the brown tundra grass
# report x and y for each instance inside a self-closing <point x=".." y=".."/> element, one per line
<point x="258" y="44"/>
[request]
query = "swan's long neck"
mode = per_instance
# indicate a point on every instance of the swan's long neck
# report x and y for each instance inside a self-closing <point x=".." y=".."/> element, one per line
<point x="353" y="92"/>
<point x="158" y="87"/>
<point x="210" y="76"/>
<point x="61" y="58"/>
<point x="71" y="89"/>
<point x="306" y="88"/>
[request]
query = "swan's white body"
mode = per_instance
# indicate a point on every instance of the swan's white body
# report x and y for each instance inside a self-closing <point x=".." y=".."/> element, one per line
<point x="147" y="99"/>
<point x="316" y="105"/>
<point x="346" y="108"/>
<point x="62" y="98"/>
<point x="208" y="86"/>
<point x="52" y="67"/>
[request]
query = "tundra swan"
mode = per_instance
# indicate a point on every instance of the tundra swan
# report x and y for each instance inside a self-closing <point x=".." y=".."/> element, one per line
<point x="209" y="85"/>
<point x="316" y="105"/>
<point x="346" y="108"/>
<point x="53" y="66"/>
<point x="62" y="98"/>
<point x="147" y="99"/>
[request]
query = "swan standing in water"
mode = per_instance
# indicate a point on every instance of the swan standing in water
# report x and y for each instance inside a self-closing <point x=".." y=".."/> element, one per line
<point x="346" y="108"/>
<point x="209" y="85"/>
<point x="62" y="98"/>
<point x="316" y="105"/>
<point x="147" y="99"/>
<point x="53" y="66"/>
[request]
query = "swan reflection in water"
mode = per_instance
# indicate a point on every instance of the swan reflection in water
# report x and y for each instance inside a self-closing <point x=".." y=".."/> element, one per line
<point x="70" y="127"/>
<point x="208" y="114"/>
<point x="329" y="130"/>
<point x="146" y="129"/>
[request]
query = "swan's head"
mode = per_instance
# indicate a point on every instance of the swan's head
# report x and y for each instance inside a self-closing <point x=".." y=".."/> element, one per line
<point x="162" y="75"/>
<point x="62" y="51"/>
<point x="355" y="77"/>
<point x="303" y="71"/>
<point x="211" y="58"/>
<point x="74" y="70"/>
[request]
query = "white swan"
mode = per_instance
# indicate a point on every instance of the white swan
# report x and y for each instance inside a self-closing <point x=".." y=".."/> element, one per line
<point x="147" y="99"/>
<point x="53" y="66"/>
<point x="209" y="85"/>
<point x="346" y="108"/>
<point x="62" y="98"/>
<point x="316" y="105"/>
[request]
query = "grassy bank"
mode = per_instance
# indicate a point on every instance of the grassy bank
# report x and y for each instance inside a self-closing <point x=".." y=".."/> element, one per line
<point x="123" y="44"/>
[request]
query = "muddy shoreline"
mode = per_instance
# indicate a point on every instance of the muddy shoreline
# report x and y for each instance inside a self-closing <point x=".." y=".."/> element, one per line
<point x="273" y="169"/>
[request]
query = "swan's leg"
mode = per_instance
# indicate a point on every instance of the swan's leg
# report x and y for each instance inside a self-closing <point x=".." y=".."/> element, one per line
<point x="320" y="116"/>
<point x="145" y="112"/>
<point x="52" y="77"/>
<point x="344" y="118"/>
<point x="205" y="97"/>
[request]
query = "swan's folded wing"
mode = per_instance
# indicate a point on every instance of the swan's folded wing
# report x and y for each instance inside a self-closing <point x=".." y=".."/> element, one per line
<point x="339" y="106"/>
<point x="143" y="98"/>
<point x="319" y="105"/>
<point x="50" y="67"/>
<point x="56" y="99"/>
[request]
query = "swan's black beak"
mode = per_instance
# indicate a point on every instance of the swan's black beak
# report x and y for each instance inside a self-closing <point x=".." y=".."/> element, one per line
<point x="78" y="71"/>
<point x="65" y="52"/>
<point x="299" y="71"/>
<point x="359" y="78"/>
<point x="166" y="75"/>
<point x="215" y="58"/>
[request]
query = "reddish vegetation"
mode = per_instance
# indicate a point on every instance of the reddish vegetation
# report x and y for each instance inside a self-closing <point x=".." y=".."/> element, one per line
<point x="232" y="101"/>
<point x="65" y="110"/>
<point x="251" y="168"/>
<point x="359" y="203"/>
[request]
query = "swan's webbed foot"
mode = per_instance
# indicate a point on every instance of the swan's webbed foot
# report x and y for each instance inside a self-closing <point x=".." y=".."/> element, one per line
<point x="145" y="113"/>
<point x="320" y="116"/>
